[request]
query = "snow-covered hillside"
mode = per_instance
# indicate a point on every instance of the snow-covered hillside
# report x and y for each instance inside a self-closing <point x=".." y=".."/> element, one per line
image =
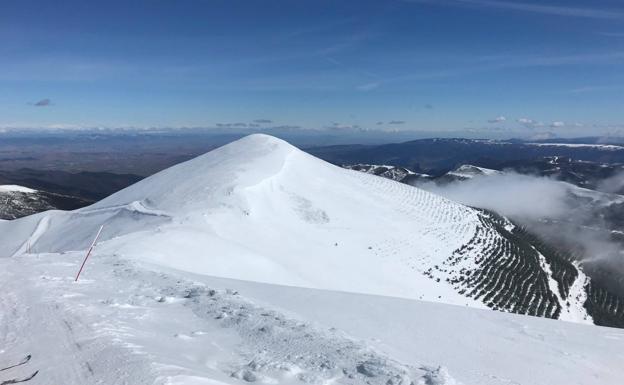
<point x="261" y="210"/>
<point x="260" y="263"/>
<point x="127" y="322"/>
<point x="576" y="228"/>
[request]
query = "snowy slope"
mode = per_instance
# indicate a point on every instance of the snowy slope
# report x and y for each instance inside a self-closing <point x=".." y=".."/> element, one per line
<point x="261" y="210"/>
<point x="131" y="323"/>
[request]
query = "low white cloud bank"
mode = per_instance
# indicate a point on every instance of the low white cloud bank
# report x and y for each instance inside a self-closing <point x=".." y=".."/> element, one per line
<point x="510" y="194"/>
<point x="614" y="184"/>
<point x="554" y="210"/>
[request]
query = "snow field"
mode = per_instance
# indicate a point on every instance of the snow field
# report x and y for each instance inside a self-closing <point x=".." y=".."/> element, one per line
<point x="115" y="326"/>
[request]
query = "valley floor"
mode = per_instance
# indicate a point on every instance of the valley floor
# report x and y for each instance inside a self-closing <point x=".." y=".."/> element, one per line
<point x="126" y="322"/>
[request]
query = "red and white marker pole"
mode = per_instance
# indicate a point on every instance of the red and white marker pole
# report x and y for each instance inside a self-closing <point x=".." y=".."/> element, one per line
<point x="89" y="252"/>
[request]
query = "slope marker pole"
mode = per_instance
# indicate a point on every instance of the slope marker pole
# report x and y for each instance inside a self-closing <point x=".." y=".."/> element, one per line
<point x="89" y="252"/>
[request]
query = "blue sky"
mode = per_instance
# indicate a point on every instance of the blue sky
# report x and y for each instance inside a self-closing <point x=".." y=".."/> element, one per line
<point x="475" y="66"/>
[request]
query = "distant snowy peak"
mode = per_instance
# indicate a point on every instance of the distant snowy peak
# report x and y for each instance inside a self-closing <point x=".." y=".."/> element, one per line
<point x="11" y="188"/>
<point x="605" y="147"/>
<point x="465" y="172"/>
<point x="399" y="174"/>
<point x="19" y="201"/>
<point x="468" y="171"/>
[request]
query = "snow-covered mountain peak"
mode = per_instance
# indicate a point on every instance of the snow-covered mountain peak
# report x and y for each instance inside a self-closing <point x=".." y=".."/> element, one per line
<point x="259" y="209"/>
<point x="205" y="181"/>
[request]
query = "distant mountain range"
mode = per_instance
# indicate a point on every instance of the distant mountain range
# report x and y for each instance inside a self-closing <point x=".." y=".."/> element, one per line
<point x="438" y="156"/>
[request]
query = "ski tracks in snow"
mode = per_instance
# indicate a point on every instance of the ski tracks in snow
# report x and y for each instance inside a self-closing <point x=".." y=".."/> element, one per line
<point x="42" y="227"/>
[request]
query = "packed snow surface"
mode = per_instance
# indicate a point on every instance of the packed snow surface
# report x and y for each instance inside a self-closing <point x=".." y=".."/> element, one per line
<point x="128" y="322"/>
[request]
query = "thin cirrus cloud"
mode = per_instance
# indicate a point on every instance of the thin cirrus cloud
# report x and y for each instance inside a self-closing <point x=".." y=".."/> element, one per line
<point x="263" y="121"/>
<point x="536" y="8"/>
<point x="396" y="122"/>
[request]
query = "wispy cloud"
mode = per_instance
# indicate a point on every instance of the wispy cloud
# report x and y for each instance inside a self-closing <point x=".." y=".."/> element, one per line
<point x="584" y="90"/>
<point x="396" y="122"/>
<point x="557" y="124"/>
<point x="343" y="126"/>
<point x="368" y="86"/>
<point x="612" y="34"/>
<point x="231" y="125"/>
<point x="263" y="121"/>
<point x="43" y="103"/>
<point x="530" y="123"/>
<point x="498" y="119"/>
<point x="287" y="127"/>
<point x="536" y="8"/>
